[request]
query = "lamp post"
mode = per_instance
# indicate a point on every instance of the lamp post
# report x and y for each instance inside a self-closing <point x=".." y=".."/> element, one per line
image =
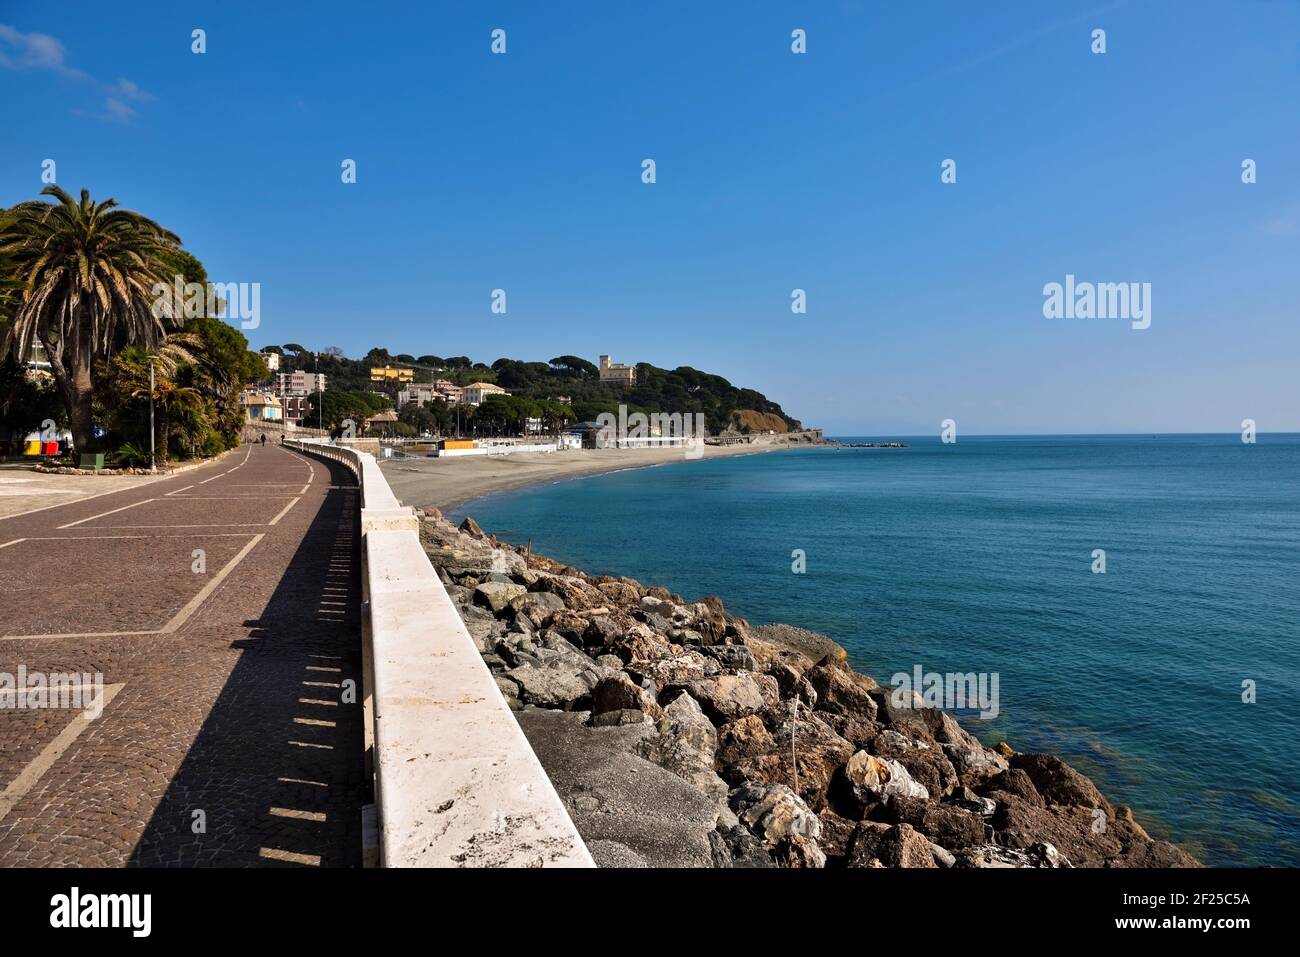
<point x="320" y="406"/>
<point x="153" y="466"/>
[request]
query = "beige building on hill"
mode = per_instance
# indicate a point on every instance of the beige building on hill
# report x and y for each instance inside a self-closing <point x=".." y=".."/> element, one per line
<point x="476" y="392"/>
<point x="616" y="372"/>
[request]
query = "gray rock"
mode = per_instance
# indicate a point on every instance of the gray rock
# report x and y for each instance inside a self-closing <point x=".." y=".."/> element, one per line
<point x="942" y="857"/>
<point x="497" y="594"/>
<point x="775" y="813"/>
<point x="727" y="697"/>
<point x="614" y="796"/>
<point x="736" y="846"/>
<point x="620" y="718"/>
<point x="548" y="687"/>
<point x="993" y="855"/>
<point x="735" y="657"/>
<point x="686" y="744"/>
<point x="536" y="607"/>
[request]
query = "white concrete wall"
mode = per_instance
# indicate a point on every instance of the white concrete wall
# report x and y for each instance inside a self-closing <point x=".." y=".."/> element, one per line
<point x="456" y="782"/>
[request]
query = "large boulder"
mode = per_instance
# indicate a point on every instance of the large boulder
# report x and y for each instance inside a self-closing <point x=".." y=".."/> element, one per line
<point x="812" y="760"/>
<point x="685" y="743"/>
<point x="925" y="762"/>
<point x="889" y="845"/>
<point x="619" y="693"/>
<point x="843" y="692"/>
<point x="1059" y="783"/>
<point x="535" y="606"/>
<point x="620" y="593"/>
<point x="944" y="824"/>
<point x="737" y="846"/>
<point x="873" y="779"/>
<point x="576" y="593"/>
<point x="808" y="644"/>
<point x="550" y="687"/>
<point x="681" y="668"/>
<point x="638" y="642"/>
<point x="727" y="697"/>
<point x="992" y="855"/>
<point x="782" y="821"/>
<point x="496" y="595"/>
<point x="744" y="738"/>
<point x="471" y="528"/>
<point x="975" y="763"/>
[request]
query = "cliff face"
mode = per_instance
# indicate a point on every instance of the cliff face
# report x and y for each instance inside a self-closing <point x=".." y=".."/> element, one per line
<point x="678" y="735"/>
<point x="743" y="419"/>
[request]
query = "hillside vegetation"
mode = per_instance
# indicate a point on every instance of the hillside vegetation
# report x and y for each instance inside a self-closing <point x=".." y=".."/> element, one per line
<point x="683" y="389"/>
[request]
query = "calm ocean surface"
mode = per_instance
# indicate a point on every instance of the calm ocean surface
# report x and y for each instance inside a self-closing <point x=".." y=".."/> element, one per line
<point x="977" y="557"/>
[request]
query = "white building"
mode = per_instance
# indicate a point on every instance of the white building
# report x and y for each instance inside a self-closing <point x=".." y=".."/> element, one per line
<point x="272" y="360"/>
<point x="301" y="383"/>
<point x="417" y="395"/>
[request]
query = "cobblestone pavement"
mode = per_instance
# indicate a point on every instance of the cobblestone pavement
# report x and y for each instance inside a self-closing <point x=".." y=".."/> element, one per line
<point x="221" y="607"/>
<point x="23" y="490"/>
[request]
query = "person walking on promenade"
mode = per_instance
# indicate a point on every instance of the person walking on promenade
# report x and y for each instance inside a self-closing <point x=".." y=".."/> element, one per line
<point x="263" y="440"/>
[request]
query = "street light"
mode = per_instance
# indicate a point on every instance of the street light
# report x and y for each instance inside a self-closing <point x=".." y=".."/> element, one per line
<point x="153" y="466"/>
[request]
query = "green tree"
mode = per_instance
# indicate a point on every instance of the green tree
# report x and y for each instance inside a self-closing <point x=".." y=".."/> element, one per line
<point x="87" y="273"/>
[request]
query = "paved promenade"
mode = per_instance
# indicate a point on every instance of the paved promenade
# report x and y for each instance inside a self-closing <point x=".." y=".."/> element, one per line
<point x="222" y="608"/>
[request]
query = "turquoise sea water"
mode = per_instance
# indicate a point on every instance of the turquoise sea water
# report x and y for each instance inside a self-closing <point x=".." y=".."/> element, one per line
<point x="978" y="557"/>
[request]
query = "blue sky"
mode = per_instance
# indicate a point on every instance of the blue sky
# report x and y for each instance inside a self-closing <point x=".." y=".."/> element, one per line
<point x="775" y="171"/>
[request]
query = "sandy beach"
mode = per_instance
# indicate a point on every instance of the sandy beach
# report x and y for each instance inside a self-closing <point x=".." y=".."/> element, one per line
<point x="445" y="483"/>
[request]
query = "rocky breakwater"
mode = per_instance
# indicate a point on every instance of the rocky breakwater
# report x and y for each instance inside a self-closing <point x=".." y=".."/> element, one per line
<point x="679" y="735"/>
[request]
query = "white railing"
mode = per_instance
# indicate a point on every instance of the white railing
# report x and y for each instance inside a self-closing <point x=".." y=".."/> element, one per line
<point x="456" y="782"/>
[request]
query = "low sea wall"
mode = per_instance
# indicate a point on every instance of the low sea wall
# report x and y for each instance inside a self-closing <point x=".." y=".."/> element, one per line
<point x="456" y="782"/>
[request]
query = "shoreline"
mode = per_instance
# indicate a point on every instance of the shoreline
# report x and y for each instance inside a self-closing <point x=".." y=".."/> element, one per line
<point x="447" y="484"/>
<point x="670" y="728"/>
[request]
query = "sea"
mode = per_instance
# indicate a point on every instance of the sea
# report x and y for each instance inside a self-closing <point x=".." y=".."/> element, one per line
<point x="1136" y="596"/>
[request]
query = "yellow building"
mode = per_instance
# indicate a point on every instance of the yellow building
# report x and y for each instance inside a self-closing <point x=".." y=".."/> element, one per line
<point x="389" y="374"/>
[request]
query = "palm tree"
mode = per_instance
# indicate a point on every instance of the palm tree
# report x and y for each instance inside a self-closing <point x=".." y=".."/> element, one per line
<point x="86" y="273"/>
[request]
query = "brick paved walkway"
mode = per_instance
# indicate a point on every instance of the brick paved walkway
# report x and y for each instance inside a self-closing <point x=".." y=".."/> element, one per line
<point x="222" y="608"/>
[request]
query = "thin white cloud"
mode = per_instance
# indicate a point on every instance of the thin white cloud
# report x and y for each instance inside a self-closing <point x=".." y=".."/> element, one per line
<point x="40" y="51"/>
<point x="33" y="51"/>
<point x="117" y="110"/>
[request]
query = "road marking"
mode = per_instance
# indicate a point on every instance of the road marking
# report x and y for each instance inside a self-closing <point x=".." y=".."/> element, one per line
<point x="111" y="538"/>
<point x="14" y="542"/>
<point x="51" y="753"/>
<point x="84" y="498"/>
<point x="180" y="617"/>
<point x="110" y="512"/>
<point x="179" y="490"/>
<point x="79" y="634"/>
<point x="284" y="511"/>
<point x="176" y="621"/>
